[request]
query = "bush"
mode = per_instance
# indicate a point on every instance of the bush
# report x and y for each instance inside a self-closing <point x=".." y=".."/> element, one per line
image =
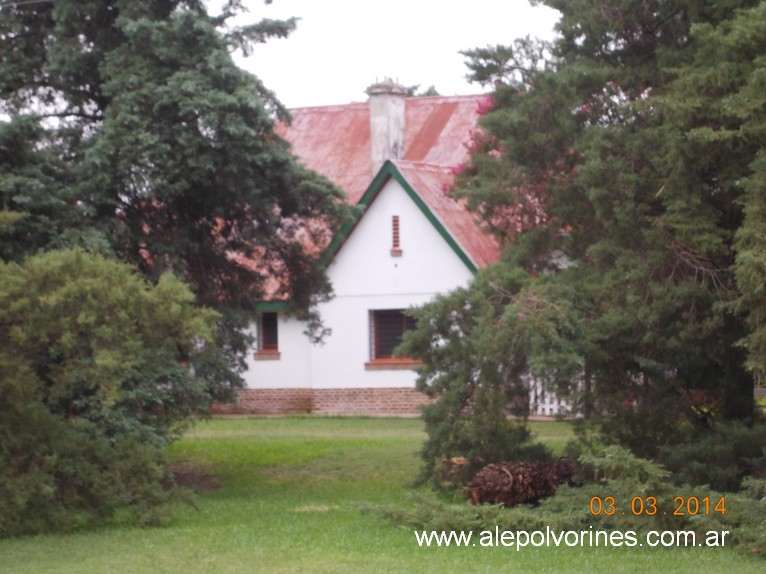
<point x="720" y="457"/>
<point x="96" y="376"/>
<point x="480" y="347"/>
<point x="482" y="436"/>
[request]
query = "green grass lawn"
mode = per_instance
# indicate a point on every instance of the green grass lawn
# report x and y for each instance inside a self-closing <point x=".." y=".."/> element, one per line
<point x="289" y="502"/>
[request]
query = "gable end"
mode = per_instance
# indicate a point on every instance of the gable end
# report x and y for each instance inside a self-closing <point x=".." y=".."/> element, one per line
<point x="389" y="171"/>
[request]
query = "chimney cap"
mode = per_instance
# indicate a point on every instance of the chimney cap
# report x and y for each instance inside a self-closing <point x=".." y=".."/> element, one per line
<point x="387" y="86"/>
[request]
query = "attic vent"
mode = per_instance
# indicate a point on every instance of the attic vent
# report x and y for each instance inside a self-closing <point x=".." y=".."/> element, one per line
<point x="396" y="249"/>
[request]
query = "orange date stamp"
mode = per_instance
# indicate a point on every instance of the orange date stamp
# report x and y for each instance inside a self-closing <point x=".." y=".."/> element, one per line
<point x="648" y="506"/>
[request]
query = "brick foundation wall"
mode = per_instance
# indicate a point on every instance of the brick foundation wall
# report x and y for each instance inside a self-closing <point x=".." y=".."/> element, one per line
<point x="369" y="401"/>
<point x="268" y="402"/>
<point x="403" y="402"/>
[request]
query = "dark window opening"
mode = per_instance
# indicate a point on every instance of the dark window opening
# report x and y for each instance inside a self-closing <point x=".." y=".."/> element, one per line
<point x="269" y="335"/>
<point x="387" y="328"/>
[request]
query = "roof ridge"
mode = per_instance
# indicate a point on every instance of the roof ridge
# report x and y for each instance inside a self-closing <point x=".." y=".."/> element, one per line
<point x="443" y="97"/>
<point x="422" y="164"/>
<point x="327" y="107"/>
<point x="452" y="98"/>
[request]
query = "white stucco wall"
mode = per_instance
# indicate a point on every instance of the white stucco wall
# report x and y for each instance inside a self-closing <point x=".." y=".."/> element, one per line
<point x="365" y="276"/>
<point x="293" y="368"/>
<point x="364" y="265"/>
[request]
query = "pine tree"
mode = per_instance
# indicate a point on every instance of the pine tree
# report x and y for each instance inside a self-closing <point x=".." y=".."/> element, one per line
<point x="131" y="131"/>
<point x="616" y="172"/>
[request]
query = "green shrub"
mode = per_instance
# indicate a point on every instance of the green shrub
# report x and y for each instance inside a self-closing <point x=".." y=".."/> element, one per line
<point x="720" y="457"/>
<point x="743" y="517"/>
<point x="483" y="436"/>
<point x="480" y="347"/>
<point x="96" y="376"/>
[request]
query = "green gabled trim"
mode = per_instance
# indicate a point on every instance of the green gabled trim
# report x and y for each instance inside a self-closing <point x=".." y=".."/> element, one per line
<point x="386" y="172"/>
<point x="273" y="306"/>
<point x="432" y="218"/>
<point x="362" y="205"/>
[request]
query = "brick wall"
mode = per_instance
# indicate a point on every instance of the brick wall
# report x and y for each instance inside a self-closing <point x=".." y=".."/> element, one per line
<point x="365" y="401"/>
<point x="369" y="401"/>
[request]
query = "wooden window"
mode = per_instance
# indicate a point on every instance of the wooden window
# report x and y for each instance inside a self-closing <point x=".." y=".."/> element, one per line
<point x="387" y="329"/>
<point x="268" y="337"/>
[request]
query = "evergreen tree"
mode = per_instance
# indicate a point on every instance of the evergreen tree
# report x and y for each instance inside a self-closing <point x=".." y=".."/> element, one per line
<point x="98" y="370"/>
<point x="126" y="129"/>
<point x="130" y="130"/>
<point x="616" y="172"/>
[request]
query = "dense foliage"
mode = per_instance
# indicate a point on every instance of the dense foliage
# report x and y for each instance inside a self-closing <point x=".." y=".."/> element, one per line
<point x="127" y="128"/>
<point x="97" y="370"/>
<point x="622" y="166"/>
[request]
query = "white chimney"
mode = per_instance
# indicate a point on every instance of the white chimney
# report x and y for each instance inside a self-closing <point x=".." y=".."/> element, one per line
<point x="386" y="122"/>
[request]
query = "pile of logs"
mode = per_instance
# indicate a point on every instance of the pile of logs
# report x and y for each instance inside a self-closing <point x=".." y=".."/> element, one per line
<point x="512" y="483"/>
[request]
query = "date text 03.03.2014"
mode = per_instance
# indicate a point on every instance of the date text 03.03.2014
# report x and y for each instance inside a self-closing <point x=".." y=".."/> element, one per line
<point x="648" y="506"/>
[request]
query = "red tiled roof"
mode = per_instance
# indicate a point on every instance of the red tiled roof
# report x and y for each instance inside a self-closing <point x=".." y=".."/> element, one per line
<point x="335" y="142"/>
<point x="429" y="181"/>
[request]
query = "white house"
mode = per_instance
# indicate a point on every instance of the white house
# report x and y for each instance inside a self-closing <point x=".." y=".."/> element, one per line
<point x="393" y="156"/>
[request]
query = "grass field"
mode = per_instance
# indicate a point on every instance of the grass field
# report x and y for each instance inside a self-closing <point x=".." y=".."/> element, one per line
<point x="289" y="503"/>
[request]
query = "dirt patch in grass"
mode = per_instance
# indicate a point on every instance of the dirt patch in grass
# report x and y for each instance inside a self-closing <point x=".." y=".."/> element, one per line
<point x="194" y="476"/>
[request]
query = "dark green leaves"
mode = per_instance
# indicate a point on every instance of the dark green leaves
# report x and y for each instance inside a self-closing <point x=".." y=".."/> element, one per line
<point x="99" y="369"/>
<point x="617" y="175"/>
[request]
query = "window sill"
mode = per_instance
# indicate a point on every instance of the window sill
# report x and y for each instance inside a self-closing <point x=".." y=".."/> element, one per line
<point x="394" y="364"/>
<point x="267" y="355"/>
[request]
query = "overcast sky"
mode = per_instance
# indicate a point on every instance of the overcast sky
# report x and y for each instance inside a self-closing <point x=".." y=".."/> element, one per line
<point x="343" y="46"/>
